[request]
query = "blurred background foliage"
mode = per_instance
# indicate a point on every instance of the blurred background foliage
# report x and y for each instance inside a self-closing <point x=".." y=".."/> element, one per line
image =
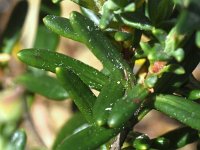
<point x="21" y="26"/>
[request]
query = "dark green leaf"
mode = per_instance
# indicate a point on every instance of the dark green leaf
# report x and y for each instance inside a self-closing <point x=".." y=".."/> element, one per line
<point x="90" y="14"/>
<point x="125" y="107"/>
<point x="69" y="128"/>
<point x="109" y="94"/>
<point x="98" y="42"/>
<point x="61" y="26"/>
<point x="42" y="41"/>
<point x="159" y="10"/>
<point x="197" y="39"/>
<point x="175" y="139"/>
<point x="182" y="30"/>
<point x="43" y="85"/>
<point x="56" y="1"/>
<point x="88" y="139"/>
<point x="122" y="36"/>
<point x="90" y="4"/>
<point x="136" y="20"/>
<point x="78" y="91"/>
<point x="194" y="95"/>
<point x="48" y="8"/>
<point x="107" y="16"/>
<point x="179" y="108"/>
<point x="142" y="142"/>
<point x="47" y="60"/>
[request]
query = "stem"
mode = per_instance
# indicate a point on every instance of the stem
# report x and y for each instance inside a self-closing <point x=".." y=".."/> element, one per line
<point x="30" y="122"/>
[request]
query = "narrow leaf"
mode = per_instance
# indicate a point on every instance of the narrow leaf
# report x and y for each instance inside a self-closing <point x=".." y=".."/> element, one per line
<point x="125" y="107"/>
<point x="179" y="108"/>
<point x="88" y="139"/>
<point x="56" y="1"/>
<point x="175" y="139"/>
<point x="42" y="40"/>
<point x="69" y="128"/>
<point x="98" y="42"/>
<point x="78" y="91"/>
<point x="109" y="94"/>
<point x="136" y="20"/>
<point x="61" y="26"/>
<point x="90" y="4"/>
<point x="47" y="60"/>
<point x="43" y="85"/>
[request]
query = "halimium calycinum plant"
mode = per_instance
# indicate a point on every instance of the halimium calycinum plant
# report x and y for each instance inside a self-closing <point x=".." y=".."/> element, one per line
<point x="165" y="34"/>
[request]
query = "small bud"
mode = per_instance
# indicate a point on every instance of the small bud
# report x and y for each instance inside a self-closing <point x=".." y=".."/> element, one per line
<point x="161" y="142"/>
<point x="179" y="54"/>
<point x="174" y="68"/>
<point x="151" y="81"/>
<point x="142" y="142"/>
<point x="111" y="5"/>
<point x="145" y="47"/>
<point x="122" y="36"/>
<point x="194" y="95"/>
<point x="197" y="39"/>
<point x="130" y="8"/>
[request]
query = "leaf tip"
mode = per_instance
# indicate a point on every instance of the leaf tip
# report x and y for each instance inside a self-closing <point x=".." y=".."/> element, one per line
<point x="100" y="122"/>
<point x="111" y="123"/>
<point x="19" y="54"/>
<point x="58" y="70"/>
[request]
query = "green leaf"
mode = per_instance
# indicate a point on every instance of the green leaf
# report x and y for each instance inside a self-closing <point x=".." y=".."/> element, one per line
<point x="88" y="139"/>
<point x="18" y="140"/>
<point x="47" y="60"/>
<point x="42" y="40"/>
<point x="122" y="36"/>
<point x="82" y="29"/>
<point x="61" y="26"/>
<point x="98" y="42"/>
<point x="150" y="81"/>
<point x="179" y="108"/>
<point x="194" y="95"/>
<point x="197" y="39"/>
<point x="109" y="94"/>
<point x="142" y="142"/>
<point x="48" y="8"/>
<point x="13" y="29"/>
<point x="78" y="91"/>
<point x="192" y="5"/>
<point x="136" y="20"/>
<point x="125" y="107"/>
<point x="43" y="85"/>
<point x="90" y="14"/>
<point x="90" y="4"/>
<point x="159" y="10"/>
<point x="56" y="1"/>
<point x="175" y="139"/>
<point x="69" y="128"/>
<point x="107" y="15"/>
<point x="182" y="30"/>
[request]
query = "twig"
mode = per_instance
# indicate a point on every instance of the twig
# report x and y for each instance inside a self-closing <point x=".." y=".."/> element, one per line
<point x="116" y="143"/>
<point x="30" y="122"/>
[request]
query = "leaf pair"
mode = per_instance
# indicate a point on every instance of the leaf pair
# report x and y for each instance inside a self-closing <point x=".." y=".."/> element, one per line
<point x="82" y="29"/>
<point x="93" y="136"/>
<point x="49" y="61"/>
